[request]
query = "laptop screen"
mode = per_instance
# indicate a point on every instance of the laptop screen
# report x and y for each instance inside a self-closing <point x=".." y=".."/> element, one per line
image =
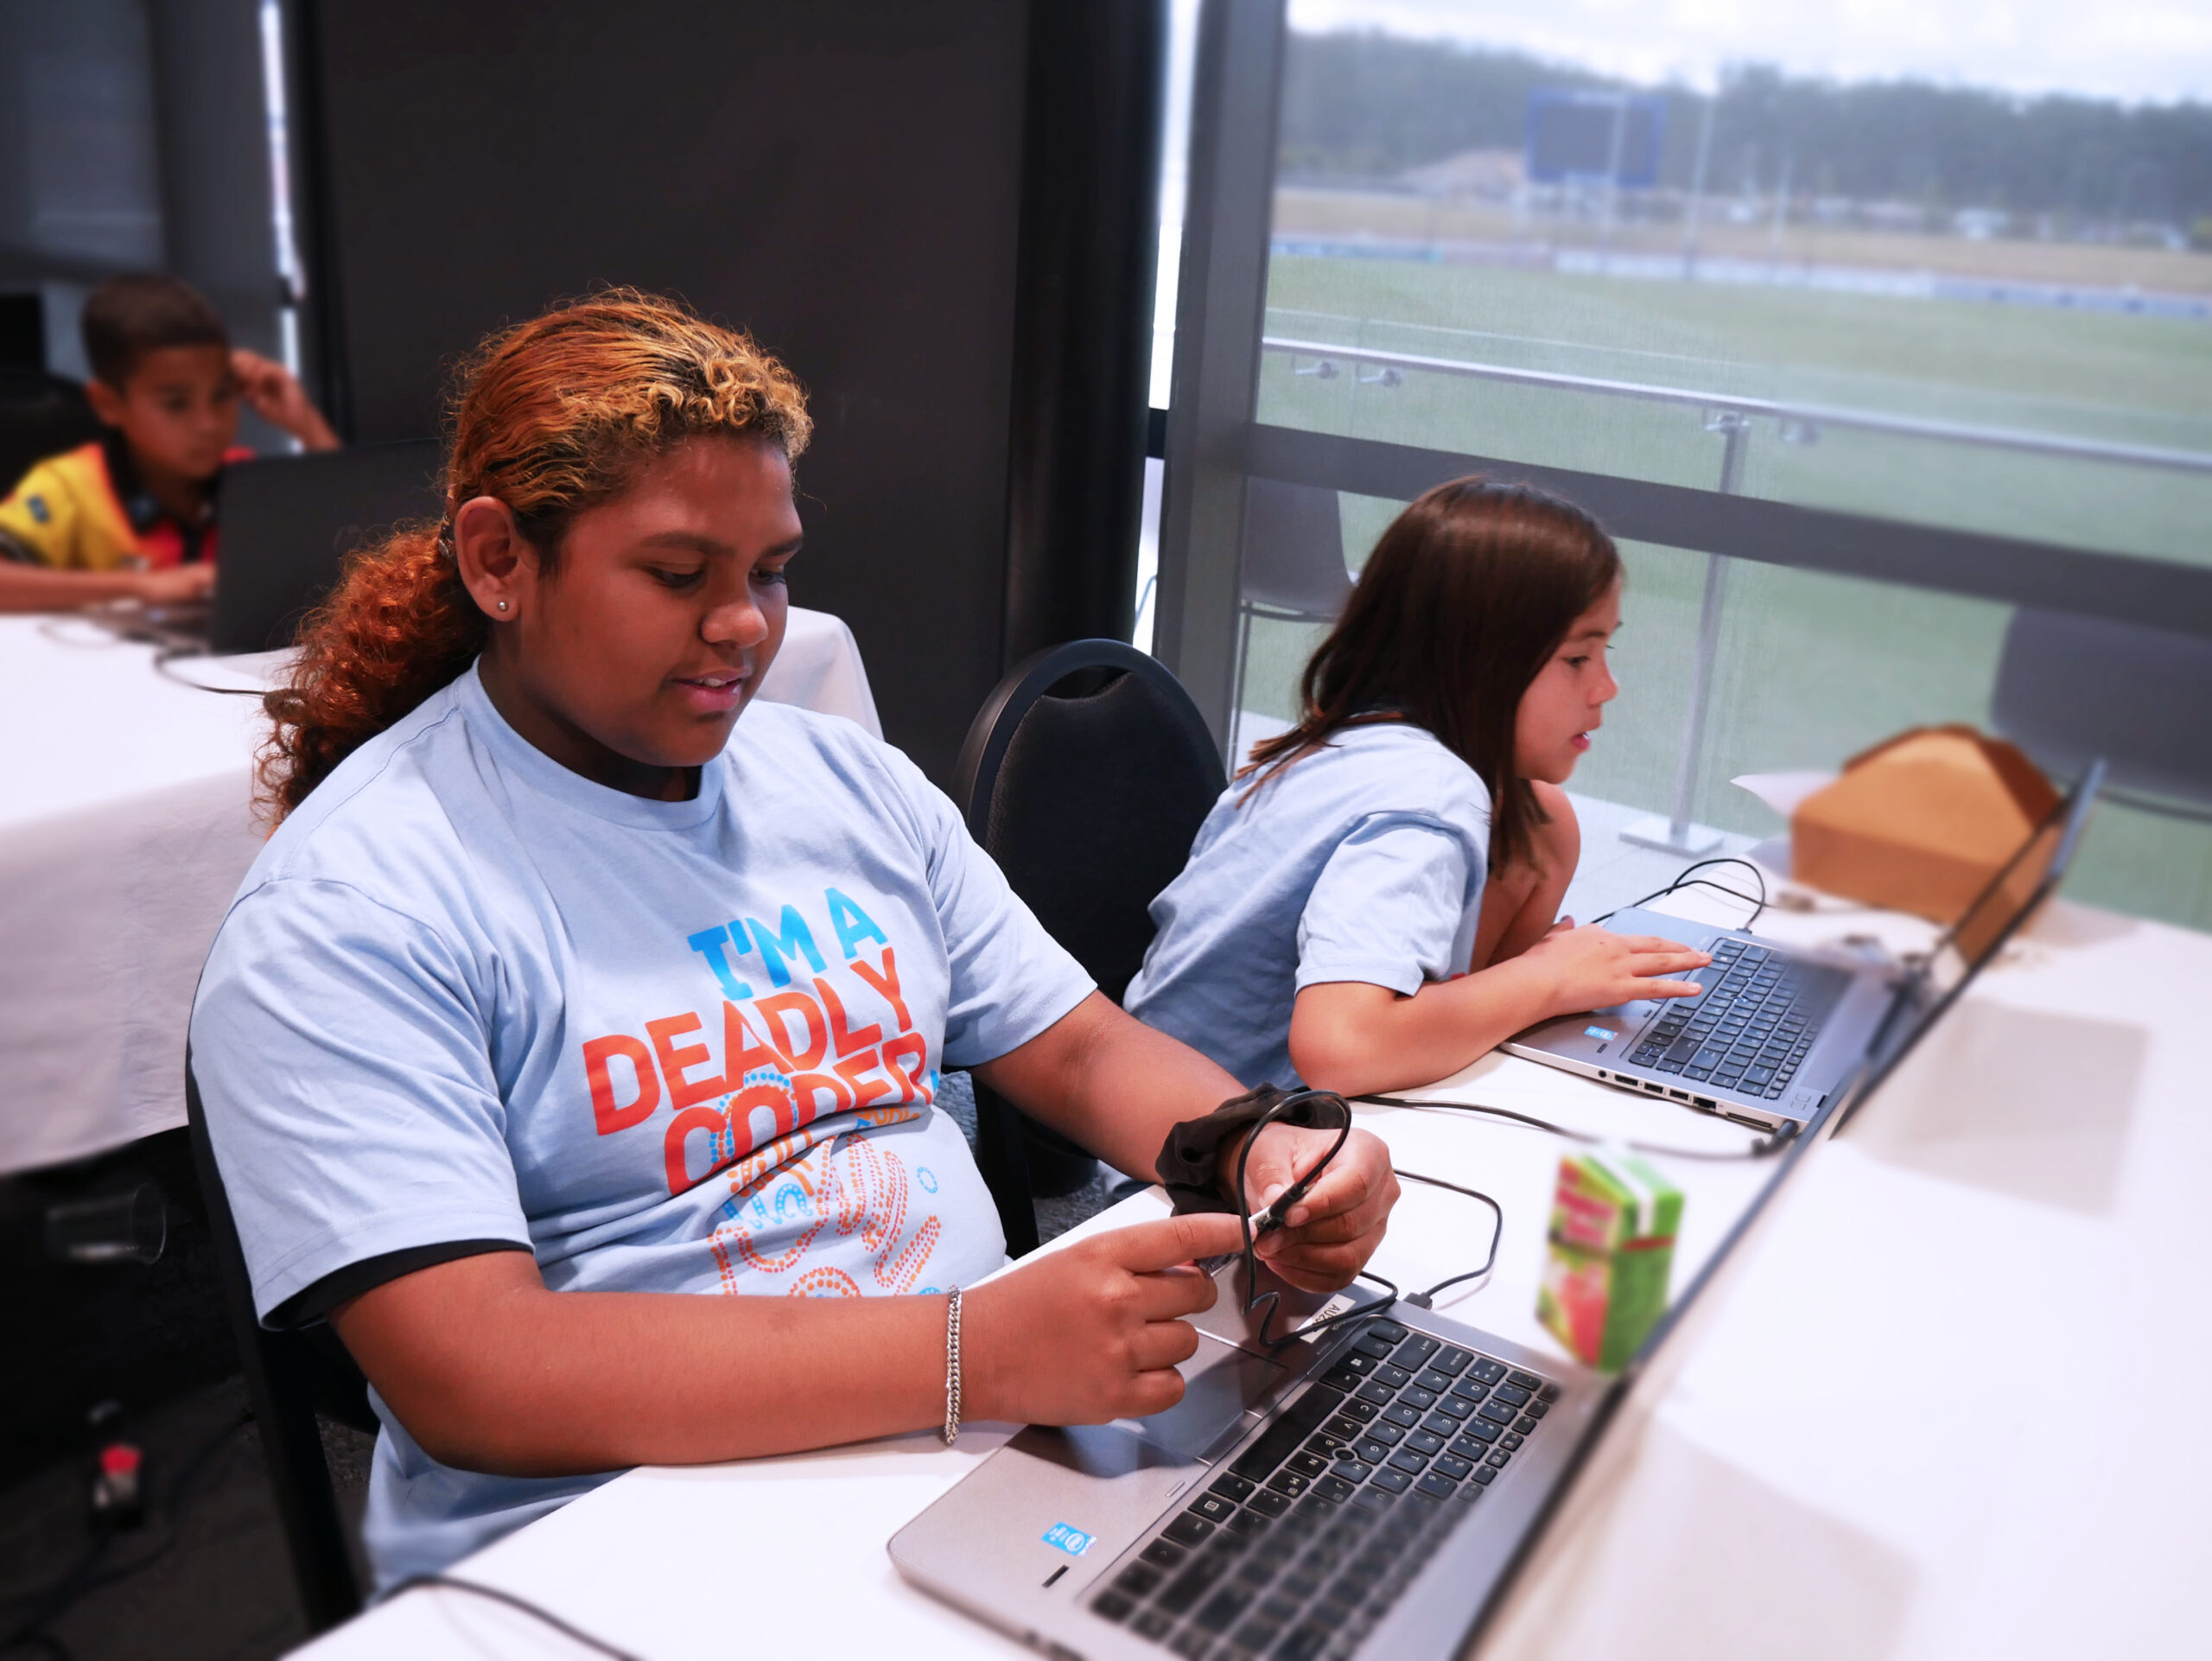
<point x="1982" y="926"/>
<point x="2027" y="878"/>
<point x="2031" y="874"/>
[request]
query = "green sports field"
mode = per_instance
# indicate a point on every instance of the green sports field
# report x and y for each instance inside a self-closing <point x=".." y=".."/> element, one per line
<point x="1813" y="668"/>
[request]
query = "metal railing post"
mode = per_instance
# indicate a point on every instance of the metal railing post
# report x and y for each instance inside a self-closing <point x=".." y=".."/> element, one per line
<point x="1676" y="832"/>
<point x="2145" y="587"/>
<point x="1811" y="417"/>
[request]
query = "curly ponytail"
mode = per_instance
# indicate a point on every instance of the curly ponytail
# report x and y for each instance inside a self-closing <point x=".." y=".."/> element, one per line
<point x="551" y="417"/>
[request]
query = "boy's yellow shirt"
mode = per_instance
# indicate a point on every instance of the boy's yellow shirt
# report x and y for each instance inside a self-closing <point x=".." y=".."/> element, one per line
<point x="67" y="513"/>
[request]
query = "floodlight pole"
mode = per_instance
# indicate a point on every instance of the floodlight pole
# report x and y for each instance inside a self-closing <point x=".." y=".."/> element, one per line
<point x="1615" y="153"/>
<point x="1781" y="212"/>
<point x="1697" y="188"/>
<point x="1676" y="832"/>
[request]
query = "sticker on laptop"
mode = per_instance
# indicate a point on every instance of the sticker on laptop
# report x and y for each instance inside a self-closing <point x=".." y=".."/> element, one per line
<point x="1073" y="1541"/>
<point x="1329" y="1311"/>
<point x="1605" y="1033"/>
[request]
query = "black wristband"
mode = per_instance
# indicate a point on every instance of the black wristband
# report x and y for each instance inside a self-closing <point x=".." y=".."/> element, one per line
<point x="1189" y="1165"/>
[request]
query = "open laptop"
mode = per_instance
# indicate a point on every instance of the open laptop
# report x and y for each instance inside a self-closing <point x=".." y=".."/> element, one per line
<point x="1365" y="1491"/>
<point x="1933" y="982"/>
<point x="1778" y="1029"/>
<point x="1298" y="1503"/>
<point x="288" y="522"/>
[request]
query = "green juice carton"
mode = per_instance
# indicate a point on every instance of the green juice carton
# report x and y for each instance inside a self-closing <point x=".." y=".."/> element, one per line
<point x="1612" y="1252"/>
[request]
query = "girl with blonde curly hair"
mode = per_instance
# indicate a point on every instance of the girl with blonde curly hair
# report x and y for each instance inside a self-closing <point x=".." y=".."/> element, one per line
<point x="560" y="992"/>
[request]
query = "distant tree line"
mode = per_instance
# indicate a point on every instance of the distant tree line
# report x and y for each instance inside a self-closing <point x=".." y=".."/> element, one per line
<point x="1366" y="104"/>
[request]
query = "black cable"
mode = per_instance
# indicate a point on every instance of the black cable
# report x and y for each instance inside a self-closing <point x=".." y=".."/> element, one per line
<point x="1683" y="880"/>
<point x="87" y="1576"/>
<point x="1268" y="1302"/>
<point x="1428" y="1299"/>
<point x="73" y="1584"/>
<point x="47" y="627"/>
<point x="163" y="658"/>
<point x="598" y="1644"/>
<point x="1765" y="1147"/>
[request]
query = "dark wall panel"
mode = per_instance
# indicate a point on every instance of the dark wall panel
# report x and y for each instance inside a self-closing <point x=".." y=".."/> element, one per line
<point x="1083" y="374"/>
<point x="842" y="178"/>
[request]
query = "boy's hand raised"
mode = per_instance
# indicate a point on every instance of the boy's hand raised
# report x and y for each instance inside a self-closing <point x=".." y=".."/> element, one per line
<point x="274" y="393"/>
<point x="1094" y="1331"/>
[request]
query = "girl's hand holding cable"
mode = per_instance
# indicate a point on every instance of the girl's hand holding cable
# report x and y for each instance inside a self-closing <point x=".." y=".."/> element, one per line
<point x="1327" y="1236"/>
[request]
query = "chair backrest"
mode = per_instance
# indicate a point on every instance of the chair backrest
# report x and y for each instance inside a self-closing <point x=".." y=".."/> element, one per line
<point x="289" y="1377"/>
<point x="1085" y="776"/>
<point x="1293" y="553"/>
<point x="41" y="415"/>
<point x="2072" y="688"/>
<point x="288" y="522"/>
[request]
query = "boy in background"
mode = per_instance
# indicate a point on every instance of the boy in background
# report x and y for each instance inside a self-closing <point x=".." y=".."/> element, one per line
<point x="132" y="516"/>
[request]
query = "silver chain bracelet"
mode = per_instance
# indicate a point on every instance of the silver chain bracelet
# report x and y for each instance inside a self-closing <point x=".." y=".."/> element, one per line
<point x="951" y="1431"/>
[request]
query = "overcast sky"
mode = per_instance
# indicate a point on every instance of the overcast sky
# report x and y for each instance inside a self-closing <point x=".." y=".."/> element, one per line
<point x="2133" y="49"/>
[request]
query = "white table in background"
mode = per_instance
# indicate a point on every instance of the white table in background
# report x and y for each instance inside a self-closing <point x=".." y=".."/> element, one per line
<point x="1947" y="1403"/>
<point x="126" y="823"/>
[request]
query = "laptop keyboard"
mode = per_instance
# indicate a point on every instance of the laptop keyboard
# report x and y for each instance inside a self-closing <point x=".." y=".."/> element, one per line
<point x="1304" y="1540"/>
<point x="1749" y="1032"/>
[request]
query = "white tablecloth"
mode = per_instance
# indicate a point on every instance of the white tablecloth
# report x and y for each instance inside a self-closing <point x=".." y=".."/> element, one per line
<point x="126" y="823"/>
<point x="1947" y="1402"/>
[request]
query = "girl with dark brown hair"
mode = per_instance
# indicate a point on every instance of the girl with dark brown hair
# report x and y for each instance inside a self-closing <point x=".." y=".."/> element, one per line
<point x="1371" y="904"/>
<point x="560" y="992"/>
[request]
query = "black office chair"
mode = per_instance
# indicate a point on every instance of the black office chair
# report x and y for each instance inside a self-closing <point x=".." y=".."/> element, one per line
<point x="41" y="415"/>
<point x="290" y="1377"/>
<point x="2072" y="688"/>
<point x="1086" y="775"/>
<point x="1293" y="555"/>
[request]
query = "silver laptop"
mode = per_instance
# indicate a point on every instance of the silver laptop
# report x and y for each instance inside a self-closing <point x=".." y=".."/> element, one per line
<point x="1779" y="1029"/>
<point x="1300" y="1501"/>
<point x="1365" y="1490"/>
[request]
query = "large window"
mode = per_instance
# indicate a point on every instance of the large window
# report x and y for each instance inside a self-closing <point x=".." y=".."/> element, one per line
<point x="140" y="138"/>
<point x="1859" y="337"/>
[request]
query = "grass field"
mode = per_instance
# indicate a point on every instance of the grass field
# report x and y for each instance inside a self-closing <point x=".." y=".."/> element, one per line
<point x="1812" y="668"/>
<point x="1324" y="212"/>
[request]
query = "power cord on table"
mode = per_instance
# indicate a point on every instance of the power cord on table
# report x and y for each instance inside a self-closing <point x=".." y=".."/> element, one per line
<point x="453" y="1583"/>
<point x="1765" y="1147"/>
<point x="1270" y="1217"/>
<point x="1428" y="1299"/>
<point x="163" y="658"/>
<point x="1758" y="902"/>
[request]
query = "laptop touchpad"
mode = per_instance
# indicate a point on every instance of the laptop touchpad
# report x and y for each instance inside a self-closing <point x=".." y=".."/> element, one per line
<point x="1220" y="1385"/>
<point x="1234" y="1373"/>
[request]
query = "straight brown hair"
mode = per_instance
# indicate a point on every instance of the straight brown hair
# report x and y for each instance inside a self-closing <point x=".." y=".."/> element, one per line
<point x="1464" y="598"/>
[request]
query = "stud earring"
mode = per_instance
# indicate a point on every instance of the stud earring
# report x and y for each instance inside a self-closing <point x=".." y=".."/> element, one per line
<point x="503" y="605"/>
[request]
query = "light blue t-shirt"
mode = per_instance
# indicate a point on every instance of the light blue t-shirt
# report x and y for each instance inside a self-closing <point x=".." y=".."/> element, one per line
<point x="465" y="994"/>
<point x="1363" y="860"/>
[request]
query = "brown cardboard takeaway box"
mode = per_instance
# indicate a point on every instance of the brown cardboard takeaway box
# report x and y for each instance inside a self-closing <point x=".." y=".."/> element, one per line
<point x="1921" y="822"/>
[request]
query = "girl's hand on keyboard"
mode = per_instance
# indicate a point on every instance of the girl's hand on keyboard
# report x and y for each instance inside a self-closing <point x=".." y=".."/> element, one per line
<point x="1327" y="1237"/>
<point x="1091" y="1332"/>
<point x="1590" y="967"/>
